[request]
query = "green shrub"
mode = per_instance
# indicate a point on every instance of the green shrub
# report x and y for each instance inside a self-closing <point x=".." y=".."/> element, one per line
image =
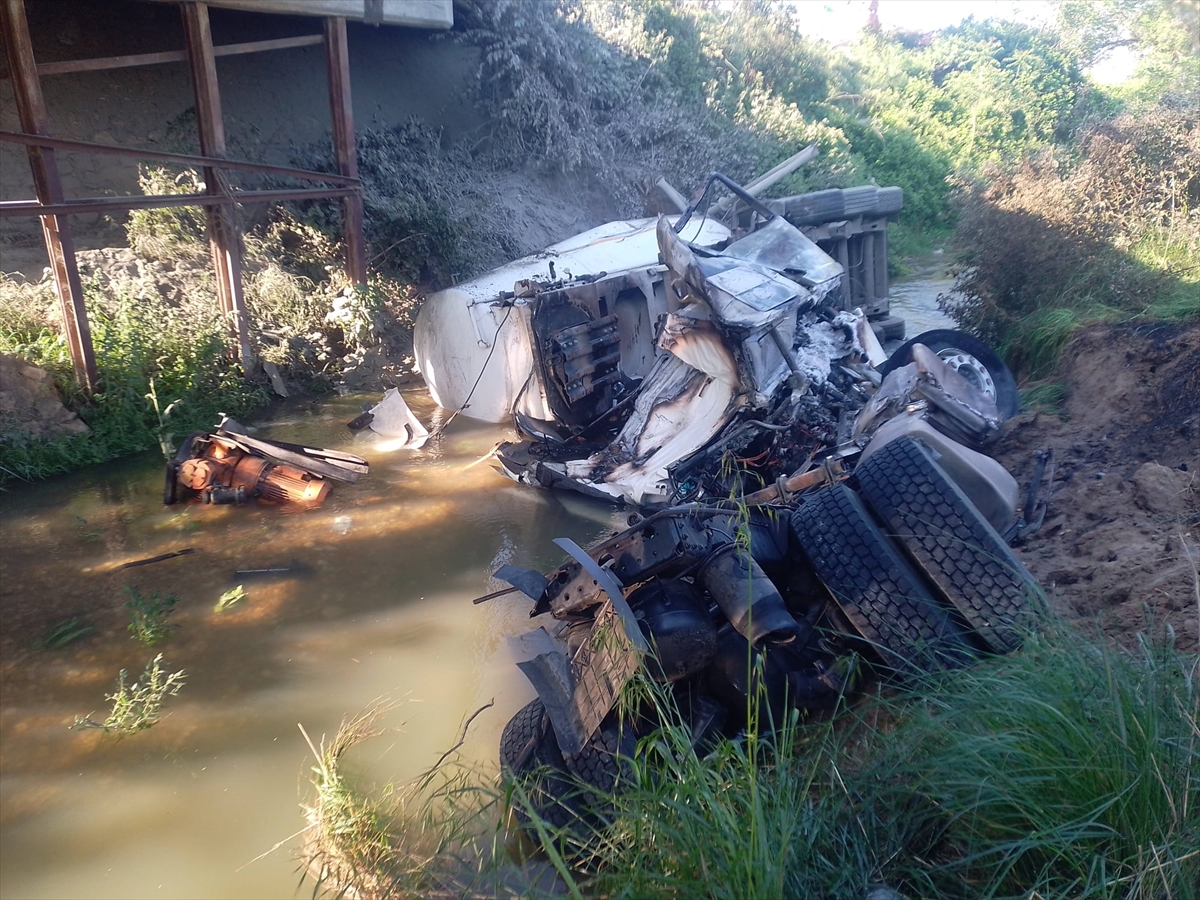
<point x="138" y="337"/>
<point x="137" y="706"/>
<point x="1113" y="236"/>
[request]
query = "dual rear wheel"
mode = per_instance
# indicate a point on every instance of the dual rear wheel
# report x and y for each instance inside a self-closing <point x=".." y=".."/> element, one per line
<point x="922" y="577"/>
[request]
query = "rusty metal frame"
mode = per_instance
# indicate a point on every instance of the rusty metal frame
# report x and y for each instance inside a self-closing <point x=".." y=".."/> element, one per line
<point x="60" y="246"/>
<point x="102" y="64"/>
<point x="224" y="237"/>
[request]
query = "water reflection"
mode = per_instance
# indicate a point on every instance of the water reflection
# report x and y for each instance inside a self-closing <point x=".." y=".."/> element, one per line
<point x="913" y="297"/>
<point x="384" y="611"/>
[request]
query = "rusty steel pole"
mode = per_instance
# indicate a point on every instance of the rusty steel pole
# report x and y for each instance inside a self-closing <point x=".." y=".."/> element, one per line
<point x="222" y="232"/>
<point x="31" y="109"/>
<point x="337" y="62"/>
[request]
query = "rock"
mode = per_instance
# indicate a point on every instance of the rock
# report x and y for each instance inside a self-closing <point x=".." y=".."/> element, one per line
<point x="30" y="405"/>
<point x="1160" y="490"/>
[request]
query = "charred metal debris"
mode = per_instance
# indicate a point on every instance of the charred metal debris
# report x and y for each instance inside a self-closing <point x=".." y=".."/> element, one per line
<point x="812" y="508"/>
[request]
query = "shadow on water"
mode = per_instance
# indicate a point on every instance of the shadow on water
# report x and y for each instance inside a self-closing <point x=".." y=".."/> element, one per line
<point x="383" y="611"/>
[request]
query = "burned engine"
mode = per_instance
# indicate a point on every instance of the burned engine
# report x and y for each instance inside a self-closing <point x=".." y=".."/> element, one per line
<point x="230" y="467"/>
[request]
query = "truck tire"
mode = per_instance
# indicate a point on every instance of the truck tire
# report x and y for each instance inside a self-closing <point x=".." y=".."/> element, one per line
<point x="605" y="761"/>
<point x="949" y="540"/>
<point x="860" y="200"/>
<point x="890" y="200"/>
<point x="529" y="754"/>
<point x="874" y="586"/>
<point x="813" y="208"/>
<point x="973" y="359"/>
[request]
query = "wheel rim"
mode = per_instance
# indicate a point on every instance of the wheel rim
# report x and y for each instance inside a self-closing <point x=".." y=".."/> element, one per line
<point x="971" y="369"/>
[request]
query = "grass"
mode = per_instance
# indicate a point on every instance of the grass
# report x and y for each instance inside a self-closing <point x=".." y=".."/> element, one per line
<point x="1063" y="770"/>
<point x="65" y="632"/>
<point x="1045" y="397"/>
<point x="137" y="706"/>
<point x="432" y="836"/>
<point x="148" y="616"/>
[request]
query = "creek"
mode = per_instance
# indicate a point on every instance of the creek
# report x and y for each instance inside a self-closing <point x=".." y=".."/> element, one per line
<point x="913" y="297"/>
<point x="384" y="611"/>
<point x="181" y="809"/>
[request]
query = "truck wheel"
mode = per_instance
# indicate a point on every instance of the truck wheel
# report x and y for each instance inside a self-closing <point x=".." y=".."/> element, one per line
<point x="605" y="763"/>
<point x="529" y="754"/>
<point x="874" y="586"/>
<point x="949" y="540"/>
<point x="972" y="358"/>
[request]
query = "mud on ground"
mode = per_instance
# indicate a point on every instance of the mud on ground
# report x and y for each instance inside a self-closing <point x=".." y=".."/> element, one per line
<point x="1120" y="547"/>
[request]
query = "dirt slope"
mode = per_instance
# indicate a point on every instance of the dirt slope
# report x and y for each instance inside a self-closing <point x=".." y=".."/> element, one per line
<point x="1121" y="542"/>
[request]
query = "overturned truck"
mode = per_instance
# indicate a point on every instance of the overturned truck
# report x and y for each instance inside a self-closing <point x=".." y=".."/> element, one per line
<point x="655" y="362"/>
<point x="807" y="503"/>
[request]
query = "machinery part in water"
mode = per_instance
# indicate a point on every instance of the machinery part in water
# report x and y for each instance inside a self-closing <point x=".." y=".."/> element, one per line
<point x="219" y="471"/>
<point x="949" y="540"/>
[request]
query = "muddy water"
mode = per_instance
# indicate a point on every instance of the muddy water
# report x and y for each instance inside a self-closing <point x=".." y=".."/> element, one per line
<point x="182" y="809"/>
<point x="914" y="296"/>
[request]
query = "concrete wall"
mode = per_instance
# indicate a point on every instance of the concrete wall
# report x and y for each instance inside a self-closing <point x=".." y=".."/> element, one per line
<point x="272" y="101"/>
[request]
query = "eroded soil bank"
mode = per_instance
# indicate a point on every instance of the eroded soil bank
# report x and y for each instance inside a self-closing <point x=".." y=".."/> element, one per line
<point x="1120" y="547"/>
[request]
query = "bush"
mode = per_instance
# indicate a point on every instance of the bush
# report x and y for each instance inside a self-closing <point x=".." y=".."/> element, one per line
<point x="143" y="345"/>
<point x="1056" y="244"/>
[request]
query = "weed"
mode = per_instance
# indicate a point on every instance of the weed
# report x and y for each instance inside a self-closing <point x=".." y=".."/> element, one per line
<point x="148" y="616"/>
<point x="137" y="706"/>
<point x="1046" y="397"/>
<point x="168" y="232"/>
<point x="65" y="632"/>
<point x="427" y="837"/>
<point x="165" y="438"/>
<point x="230" y="598"/>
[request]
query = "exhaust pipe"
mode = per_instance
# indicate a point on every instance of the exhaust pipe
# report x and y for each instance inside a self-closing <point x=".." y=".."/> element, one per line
<point x="748" y="598"/>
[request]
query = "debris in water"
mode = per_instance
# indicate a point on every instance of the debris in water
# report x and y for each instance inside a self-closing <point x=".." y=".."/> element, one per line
<point x="230" y="598"/>
<point x="159" y="558"/>
<point x="229" y="466"/>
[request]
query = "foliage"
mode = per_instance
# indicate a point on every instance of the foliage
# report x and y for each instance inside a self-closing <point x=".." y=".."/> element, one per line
<point x="168" y="232"/>
<point x="139" y="338"/>
<point x="1165" y="34"/>
<point x="137" y="706"/>
<point x="230" y="598"/>
<point x="1064" y="770"/>
<point x="1056" y="244"/>
<point x="65" y="632"/>
<point x="148" y="616"/>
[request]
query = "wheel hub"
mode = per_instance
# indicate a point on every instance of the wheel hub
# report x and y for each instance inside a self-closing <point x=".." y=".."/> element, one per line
<point x="971" y="369"/>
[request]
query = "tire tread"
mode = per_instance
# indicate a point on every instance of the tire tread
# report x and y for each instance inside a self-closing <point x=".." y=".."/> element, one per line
<point x="949" y="540"/>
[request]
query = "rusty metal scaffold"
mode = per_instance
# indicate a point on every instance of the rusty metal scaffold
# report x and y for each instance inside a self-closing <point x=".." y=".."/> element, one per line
<point x="218" y="198"/>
